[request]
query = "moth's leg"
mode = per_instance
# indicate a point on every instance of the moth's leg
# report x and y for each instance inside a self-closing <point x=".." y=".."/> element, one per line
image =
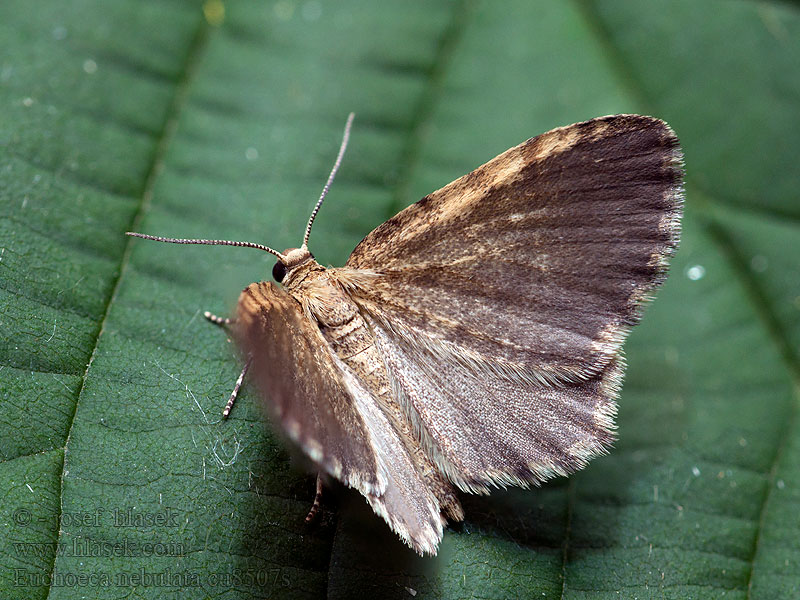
<point x="221" y="321"/>
<point x="315" y="508"/>
<point x="224" y="322"/>
<point x="227" y="410"/>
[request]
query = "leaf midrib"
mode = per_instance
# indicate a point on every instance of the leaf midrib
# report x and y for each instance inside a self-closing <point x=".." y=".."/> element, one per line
<point x="167" y="133"/>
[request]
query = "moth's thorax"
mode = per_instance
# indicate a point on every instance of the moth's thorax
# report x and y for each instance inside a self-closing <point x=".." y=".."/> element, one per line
<point x="321" y="296"/>
<point x="298" y="270"/>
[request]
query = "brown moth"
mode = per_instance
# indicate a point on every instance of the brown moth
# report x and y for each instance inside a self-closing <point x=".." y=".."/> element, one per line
<point x="475" y="338"/>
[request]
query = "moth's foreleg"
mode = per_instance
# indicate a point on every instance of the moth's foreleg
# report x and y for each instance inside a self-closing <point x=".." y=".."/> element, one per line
<point x="227" y="410"/>
<point x="221" y="321"/>
<point x="315" y="508"/>
<point x="224" y="322"/>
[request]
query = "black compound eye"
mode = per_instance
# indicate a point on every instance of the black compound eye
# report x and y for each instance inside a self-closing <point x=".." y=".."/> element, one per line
<point x="279" y="271"/>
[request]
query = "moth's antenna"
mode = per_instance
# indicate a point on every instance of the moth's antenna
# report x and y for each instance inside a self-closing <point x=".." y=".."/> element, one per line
<point x="156" y="238"/>
<point x="345" y="139"/>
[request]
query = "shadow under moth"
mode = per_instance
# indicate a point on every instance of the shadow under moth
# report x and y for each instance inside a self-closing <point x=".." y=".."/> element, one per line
<point x="475" y="338"/>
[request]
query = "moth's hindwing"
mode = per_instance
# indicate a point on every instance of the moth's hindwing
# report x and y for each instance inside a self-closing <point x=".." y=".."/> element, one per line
<point x="483" y="428"/>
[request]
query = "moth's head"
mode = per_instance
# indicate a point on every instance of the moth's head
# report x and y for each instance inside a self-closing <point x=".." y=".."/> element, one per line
<point x="289" y="260"/>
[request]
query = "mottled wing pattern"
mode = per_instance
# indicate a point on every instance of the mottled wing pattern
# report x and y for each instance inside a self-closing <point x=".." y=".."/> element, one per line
<point x="294" y="369"/>
<point x="501" y="301"/>
<point x="328" y="412"/>
<point x="568" y="232"/>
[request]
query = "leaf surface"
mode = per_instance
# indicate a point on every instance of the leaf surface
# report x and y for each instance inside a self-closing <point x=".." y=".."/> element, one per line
<point x="221" y="120"/>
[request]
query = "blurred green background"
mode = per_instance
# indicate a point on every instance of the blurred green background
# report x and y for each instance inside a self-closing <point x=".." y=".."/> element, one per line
<point x="221" y="120"/>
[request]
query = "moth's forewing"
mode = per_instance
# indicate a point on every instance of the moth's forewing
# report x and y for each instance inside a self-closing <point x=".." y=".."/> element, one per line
<point x="408" y="505"/>
<point x="303" y="387"/>
<point x="538" y="260"/>
<point x="502" y="300"/>
<point x="329" y="412"/>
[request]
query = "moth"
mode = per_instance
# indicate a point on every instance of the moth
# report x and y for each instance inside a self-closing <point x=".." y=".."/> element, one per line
<point x="474" y="340"/>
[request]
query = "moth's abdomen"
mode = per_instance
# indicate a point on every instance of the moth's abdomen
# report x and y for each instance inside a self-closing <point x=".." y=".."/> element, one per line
<point x="341" y="325"/>
<point x="348" y="335"/>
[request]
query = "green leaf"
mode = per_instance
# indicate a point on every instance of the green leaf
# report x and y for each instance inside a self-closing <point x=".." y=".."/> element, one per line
<point x="221" y="120"/>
